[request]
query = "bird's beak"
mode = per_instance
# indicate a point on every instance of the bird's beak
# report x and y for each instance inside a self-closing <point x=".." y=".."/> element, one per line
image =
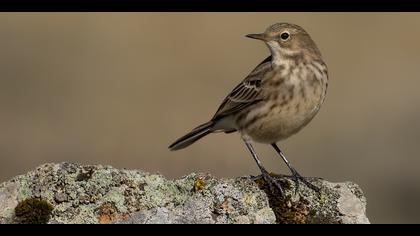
<point x="262" y="37"/>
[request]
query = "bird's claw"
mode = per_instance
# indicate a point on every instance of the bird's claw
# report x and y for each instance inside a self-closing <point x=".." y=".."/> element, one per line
<point x="273" y="184"/>
<point x="297" y="177"/>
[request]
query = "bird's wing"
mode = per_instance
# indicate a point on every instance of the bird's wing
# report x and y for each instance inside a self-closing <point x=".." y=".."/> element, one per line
<point x="246" y="93"/>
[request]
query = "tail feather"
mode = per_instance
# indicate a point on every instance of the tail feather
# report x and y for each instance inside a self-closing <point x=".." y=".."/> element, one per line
<point x="192" y="136"/>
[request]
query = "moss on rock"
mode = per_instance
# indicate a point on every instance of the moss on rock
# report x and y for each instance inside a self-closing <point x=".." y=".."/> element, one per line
<point x="33" y="211"/>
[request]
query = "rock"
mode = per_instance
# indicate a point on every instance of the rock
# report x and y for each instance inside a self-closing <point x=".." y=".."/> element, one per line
<point x="72" y="193"/>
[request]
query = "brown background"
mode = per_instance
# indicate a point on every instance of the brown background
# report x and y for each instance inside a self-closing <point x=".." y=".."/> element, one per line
<point x="117" y="89"/>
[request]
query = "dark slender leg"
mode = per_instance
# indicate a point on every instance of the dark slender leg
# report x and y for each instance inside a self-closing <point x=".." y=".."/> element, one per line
<point x="267" y="177"/>
<point x="295" y="175"/>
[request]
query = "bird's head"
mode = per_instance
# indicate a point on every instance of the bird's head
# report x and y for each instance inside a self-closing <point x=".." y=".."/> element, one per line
<point x="288" y="40"/>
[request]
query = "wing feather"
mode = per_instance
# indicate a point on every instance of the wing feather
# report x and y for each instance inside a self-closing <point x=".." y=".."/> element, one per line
<point x="246" y="93"/>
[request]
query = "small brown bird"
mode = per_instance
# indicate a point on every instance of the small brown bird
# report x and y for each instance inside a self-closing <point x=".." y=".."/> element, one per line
<point x="276" y="100"/>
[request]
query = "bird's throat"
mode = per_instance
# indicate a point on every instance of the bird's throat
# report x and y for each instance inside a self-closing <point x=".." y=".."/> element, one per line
<point x="279" y="55"/>
<point x="276" y="57"/>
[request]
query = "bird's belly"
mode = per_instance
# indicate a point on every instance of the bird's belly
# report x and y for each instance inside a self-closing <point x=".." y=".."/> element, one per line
<point x="269" y="123"/>
<point x="276" y="129"/>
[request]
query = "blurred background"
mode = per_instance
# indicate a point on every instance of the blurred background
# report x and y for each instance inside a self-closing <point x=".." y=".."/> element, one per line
<point x="118" y="88"/>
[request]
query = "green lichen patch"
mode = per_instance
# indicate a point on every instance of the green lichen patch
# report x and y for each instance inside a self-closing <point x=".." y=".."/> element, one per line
<point x="33" y="211"/>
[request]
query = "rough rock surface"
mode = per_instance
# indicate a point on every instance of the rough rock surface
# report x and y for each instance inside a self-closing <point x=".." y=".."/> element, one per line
<point x="73" y="193"/>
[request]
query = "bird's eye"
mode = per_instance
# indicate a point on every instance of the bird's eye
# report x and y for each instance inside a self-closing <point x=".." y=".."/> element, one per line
<point x="284" y="36"/>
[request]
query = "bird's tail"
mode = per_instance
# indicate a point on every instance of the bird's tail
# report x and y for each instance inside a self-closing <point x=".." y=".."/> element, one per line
<point x="192" y="136"/>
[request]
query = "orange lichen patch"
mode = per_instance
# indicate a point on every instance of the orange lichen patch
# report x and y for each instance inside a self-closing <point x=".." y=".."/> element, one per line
<point x="226" y="206"/>
<point x="108" y="213"/>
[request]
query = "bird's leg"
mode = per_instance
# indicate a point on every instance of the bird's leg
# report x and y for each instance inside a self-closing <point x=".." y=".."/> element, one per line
<point x="267" y="177"/>
<point x="295" y="175"/>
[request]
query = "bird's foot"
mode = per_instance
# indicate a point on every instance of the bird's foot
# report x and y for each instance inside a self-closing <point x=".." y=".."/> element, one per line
<point x="297" y="177"/>
<point x="273" y="184"/>
<point x="274" y="181"/>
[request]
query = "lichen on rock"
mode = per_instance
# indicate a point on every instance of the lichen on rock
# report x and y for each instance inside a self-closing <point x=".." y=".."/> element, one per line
<point x="73" y="193"/>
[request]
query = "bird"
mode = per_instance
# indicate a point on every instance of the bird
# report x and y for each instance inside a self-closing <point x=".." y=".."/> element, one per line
<point x="278" y="98"/>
